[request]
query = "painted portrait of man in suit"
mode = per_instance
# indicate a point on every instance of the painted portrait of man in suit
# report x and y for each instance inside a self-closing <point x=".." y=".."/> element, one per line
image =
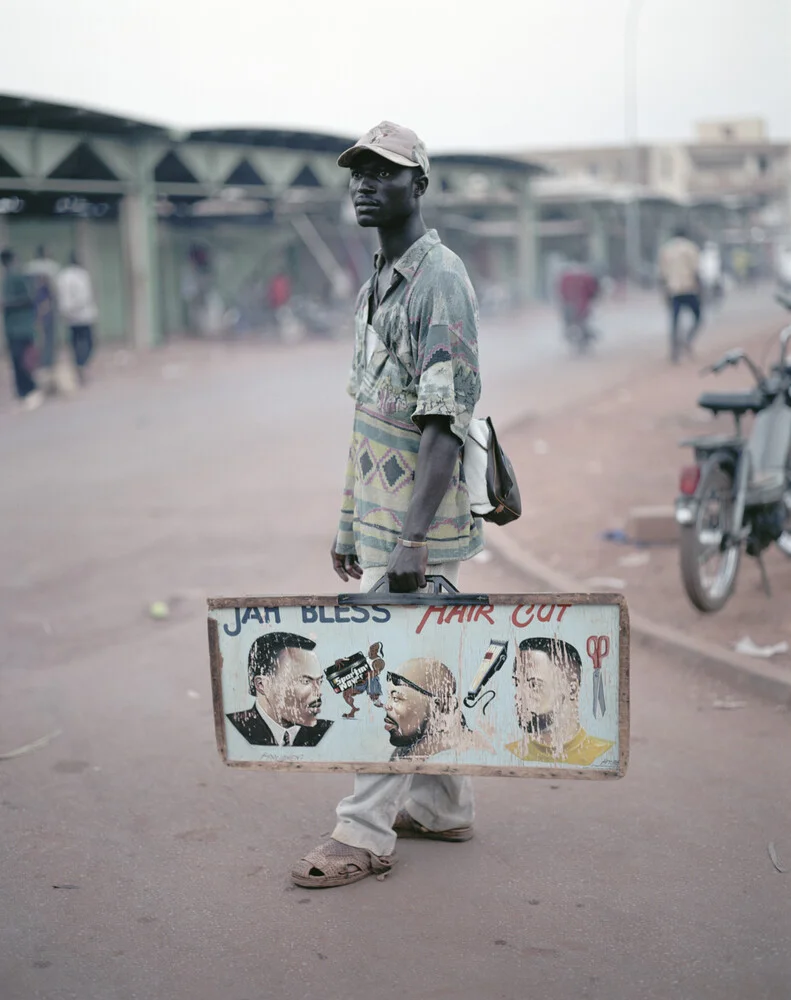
<point x="284" y="677"/>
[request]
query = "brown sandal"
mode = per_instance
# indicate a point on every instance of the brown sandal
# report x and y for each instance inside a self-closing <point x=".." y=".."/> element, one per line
<point x="333" y="863"/>
<point x="407" y="826"/>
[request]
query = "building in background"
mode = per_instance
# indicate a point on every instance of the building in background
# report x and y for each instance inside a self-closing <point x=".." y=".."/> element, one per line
<point x="731" y="184"/>
<point x="185" y="232"/>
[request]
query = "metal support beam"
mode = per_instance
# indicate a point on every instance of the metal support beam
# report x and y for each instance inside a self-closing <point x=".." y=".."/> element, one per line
<point x="335" y="274"/>
<point x="61" y="187"/>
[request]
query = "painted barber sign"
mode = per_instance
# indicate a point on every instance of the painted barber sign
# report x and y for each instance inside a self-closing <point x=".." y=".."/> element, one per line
<point x="515" y="685"/>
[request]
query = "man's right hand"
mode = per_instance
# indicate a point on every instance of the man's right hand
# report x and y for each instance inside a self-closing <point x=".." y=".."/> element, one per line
<point x="345" y="565"/>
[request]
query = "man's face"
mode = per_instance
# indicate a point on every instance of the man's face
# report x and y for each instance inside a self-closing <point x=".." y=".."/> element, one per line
<point x="541" y="688"/>
<point x="383" y="194"/>
<point x="406" y="715"/>
<point x="293" y="691"/>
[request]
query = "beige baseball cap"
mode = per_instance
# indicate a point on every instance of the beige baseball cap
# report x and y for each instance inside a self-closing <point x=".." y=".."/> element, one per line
<point x="394" y="142"/>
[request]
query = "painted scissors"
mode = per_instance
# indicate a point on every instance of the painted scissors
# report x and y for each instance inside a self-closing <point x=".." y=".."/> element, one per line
<point x="598" y="648"/>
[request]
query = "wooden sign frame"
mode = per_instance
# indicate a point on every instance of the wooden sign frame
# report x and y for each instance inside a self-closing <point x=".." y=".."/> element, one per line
<point x="526" y="609"/>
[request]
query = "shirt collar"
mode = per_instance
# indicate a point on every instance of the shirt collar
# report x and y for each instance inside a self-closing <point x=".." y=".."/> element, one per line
<point x="408" y="263"/>
<point x="278" y="731"/>
<point x="551" y="752"/>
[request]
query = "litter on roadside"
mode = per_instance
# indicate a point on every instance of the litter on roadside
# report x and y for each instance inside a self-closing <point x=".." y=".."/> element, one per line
<point x="607" y="582"/>
<point x="746" y="646"/>
<point x="540" y="447"/>
<point x="30" y="747"/>
<point x="727" y="704"/>
<point x="617" y="535"/>
<point x="773" y="858"/>
<point x="635" y="559"/>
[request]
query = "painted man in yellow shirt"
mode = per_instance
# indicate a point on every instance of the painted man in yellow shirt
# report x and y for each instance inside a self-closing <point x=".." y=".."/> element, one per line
<point x="547" y="676"/>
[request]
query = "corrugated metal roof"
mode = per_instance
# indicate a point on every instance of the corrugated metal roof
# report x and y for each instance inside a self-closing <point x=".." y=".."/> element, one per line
<point x="27" y="112"/>
<point x="18" y="111"/>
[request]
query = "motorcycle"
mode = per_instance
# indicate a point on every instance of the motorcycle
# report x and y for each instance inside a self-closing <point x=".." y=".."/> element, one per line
<point x="737" y="495"/>
<point x="580" y="334"/>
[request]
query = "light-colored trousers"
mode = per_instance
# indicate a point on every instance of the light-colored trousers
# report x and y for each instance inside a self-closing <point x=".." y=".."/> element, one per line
<point x="437" y="801"/>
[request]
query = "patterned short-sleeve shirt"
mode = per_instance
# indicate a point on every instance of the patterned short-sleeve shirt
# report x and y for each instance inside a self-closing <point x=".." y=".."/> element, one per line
<point x="424" y="362"/>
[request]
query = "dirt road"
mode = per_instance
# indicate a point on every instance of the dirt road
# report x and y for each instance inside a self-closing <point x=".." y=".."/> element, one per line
<point x="134" y="866"/>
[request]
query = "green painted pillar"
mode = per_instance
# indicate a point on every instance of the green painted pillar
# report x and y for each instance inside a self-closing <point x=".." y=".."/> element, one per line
<point x="598" y="243"/>
<point x="139" y="242"/>
<point x="526" y="247"/>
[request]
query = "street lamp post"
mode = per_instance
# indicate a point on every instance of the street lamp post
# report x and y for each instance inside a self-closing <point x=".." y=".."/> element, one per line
<point x="633" y="251"/>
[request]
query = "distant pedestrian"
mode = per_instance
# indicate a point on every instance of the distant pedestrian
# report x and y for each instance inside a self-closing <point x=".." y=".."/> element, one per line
<point x="278" y="298"/>
<point x="78" y="309"/>
<point x="279" y="291"/>
<point x="19" y="314"/>
<point x="679" y="268"/>
<point x="577" y="289"/>
<point x="43" y="271"/>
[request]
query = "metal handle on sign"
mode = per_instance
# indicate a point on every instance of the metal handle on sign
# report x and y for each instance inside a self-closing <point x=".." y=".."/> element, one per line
<point x="441" y="591"/>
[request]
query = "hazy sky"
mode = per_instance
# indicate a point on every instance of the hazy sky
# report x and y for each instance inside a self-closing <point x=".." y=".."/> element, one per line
<point x="470" y="74"/>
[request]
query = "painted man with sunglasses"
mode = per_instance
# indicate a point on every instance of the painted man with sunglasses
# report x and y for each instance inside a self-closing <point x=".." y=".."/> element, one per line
<point x="405" y="509"/>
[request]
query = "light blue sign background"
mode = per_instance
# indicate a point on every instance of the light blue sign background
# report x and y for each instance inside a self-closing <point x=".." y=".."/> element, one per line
<point x="411" y="632"/>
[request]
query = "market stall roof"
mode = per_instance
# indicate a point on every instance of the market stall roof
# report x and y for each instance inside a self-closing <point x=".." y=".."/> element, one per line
<point x="27" y="112"/>
<point x="274" y="138"/>
<point x="495" y="161"/>
<point x="19" y="111"/>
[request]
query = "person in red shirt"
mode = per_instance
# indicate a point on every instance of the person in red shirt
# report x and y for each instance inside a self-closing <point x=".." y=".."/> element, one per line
<point x="577" y="289"/>
<point x="279" y="291"/>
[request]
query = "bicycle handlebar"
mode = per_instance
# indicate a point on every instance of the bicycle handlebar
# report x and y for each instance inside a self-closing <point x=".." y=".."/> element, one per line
<point x="738" y="354"/>
<point x="733" y="358"/>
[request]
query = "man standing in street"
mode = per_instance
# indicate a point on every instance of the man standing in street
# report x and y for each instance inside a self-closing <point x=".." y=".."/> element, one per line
<point x="19" y="313"/>
<point x="679" y="267"/>
<point x="78" y="309"/>
<point x="415" y="382"/>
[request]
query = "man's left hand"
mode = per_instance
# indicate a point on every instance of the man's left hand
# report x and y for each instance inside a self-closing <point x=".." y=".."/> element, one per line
<point x="406" y="569"/>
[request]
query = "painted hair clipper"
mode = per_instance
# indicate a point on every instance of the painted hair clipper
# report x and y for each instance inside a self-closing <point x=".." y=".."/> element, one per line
<point x="494" y="657"/>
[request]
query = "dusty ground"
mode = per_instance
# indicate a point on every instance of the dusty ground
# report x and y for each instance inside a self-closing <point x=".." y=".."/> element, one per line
<point x="133" y="866"/>
<point x="585" y="469"/>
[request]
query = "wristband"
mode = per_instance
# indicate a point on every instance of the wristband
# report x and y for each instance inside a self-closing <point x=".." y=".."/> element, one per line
<point x="412" y="545"/>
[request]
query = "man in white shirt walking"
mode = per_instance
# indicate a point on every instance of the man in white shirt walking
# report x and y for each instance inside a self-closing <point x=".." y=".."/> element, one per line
<point x="77" y="306"/>
<point x="679" y="269"/>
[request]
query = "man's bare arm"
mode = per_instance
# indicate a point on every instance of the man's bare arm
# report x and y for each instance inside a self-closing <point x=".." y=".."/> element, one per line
<point x="439" y="450"/>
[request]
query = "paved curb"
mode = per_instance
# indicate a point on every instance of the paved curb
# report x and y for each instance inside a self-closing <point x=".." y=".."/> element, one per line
<point x="758" y="677"/>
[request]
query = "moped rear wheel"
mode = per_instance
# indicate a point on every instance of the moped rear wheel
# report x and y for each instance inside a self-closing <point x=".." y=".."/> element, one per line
<point x="709" y="556"/>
